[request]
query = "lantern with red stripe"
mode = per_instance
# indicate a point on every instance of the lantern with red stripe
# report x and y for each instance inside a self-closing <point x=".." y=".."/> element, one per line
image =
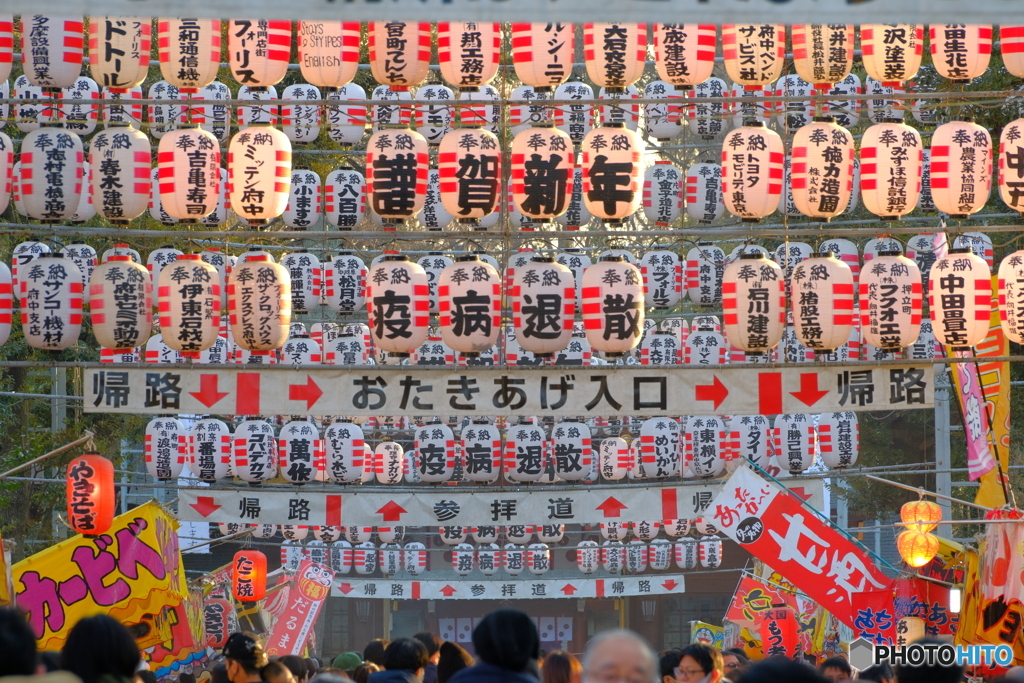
<point x="663" y="193"/>
<point x="345" y="452"/>
<point x="684" y="54"/>
<point x="434" y="120"/>
<point x="209" y="449"/>
<point x="613" y="305"/>
<point x="346" y="123"/>
<point x="397" y="299"/>
<point x="752" y="159"/>
<point x="260" y="173"/>
<point x="611" y="172"/>
<point x="705" y="268"/>
<point x="890" y="301"/>
<point x="301" y="122"/>
<point x="79" y="118"/>
<point x="543" y="305"/>
<point x="707" y="443"/>
<point x="588" y="556"/>
<point x="469" y="53"/>
<point x="525" y="453"/>
<point x="388" y="459"/>
<point x="469" y="299"/>
<point x="399" y="52"/>
<point x="119" y="49"/>
<point x="822" y="292"/>
<point x="1011" y="296"/>
<point x="662" y="272"/>
<point x="384" y="116"/>
<point x="301" y="350"/>
<point x="52" y="174"/>
<point x="686" y="553"/>
<point x="120" y="160"/>
<point x="7" y="46"/>
<point x="166" y="448"/>
<point x="960" y="299"/>
<point x="571" y="450"/>
<point x="754" y="53"/>
<point x="481" y="449"/>
<point x="615" y="531"/>
<point x="891" y="52"/>
<point x="6" y="171"/>
<point x="753" y="303"/>
<point x="705" y="347"/>
<point x="1011" y="46"/>
<point x="121" y="303"/>
<point x="660" y="448"/>
<point x="212" y="117"/>
<point x="328" y="52"/>
<point x="615" y="54"/>
<point x="838" y="439"/>
<point x="258" y="114"/>
<point x="846" y="251"/>
<point x="704" y="201"/>
<point x="614" y="458"/>
<point x="301" y="452"/>
<point x="752" y="438"/>
<point x="345" y="283"/>
<point x="259" y="51"/>
<point x="435" y="453"/>
<point x="823" y="53"/>
<point x="880" y="108"/>
<point x="613" y="556"/>
<point x="822" y="172"/>
<point x="542" y="172"/>
<point x="662" y="116"/>
<point x="960" y="52"/>
<point x="661" y="347"/>
<point x="90" y="494"/>
<point x="51" y="302"/>
<point x="189" y="162"/>
<point x="6" y="303"/>
<point x="469" y="164"/>
<point x="978" y="242"/>
<point x="779" y="632"/>
<point x="29" y="114"/>
<point x="796" y="442"/>
<point x="260" y="304"/>
<point x="538" y="558"/>
<point x="189" y="301"/>
<point x="961" y="167"/>
<point x="162" y="116"/>
<point x="396" y="173"/>
<point x="256" y="451"/>
<point x="891" y="165"/>
<point x="708" y="119"/>
<point x="189" y="51"/>
<point x="542" y="53"/>
<point x="305" y="201"/>
<point x="305" y="274"/>
<point x="414" y="558"/>
<point x="345" y="198"/>
<point x="51" y="49"/>
<point x="619" y="110"/>
<point x="487" y="114"/>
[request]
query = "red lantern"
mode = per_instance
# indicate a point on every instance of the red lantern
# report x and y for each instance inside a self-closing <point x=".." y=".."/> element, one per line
<point x="543" y="305"/>
<point x="891" y="52"/>
<point x="468" y="53"/>
<point x="890" y="301"/>
<point x="398" y="305"/>
<point x="960" y="299"/>
<point x="328" y="52"/>
<point x="542" y="53"/>
<point x="90" y="494"/>
<point x="960" y="52"/>
<point x="615" y="54"/>
<point x="260" y="304"/>
<point x="961" y="168"/>
<point x="469" y="164"/>
<point x="119" y="49"/>
<point x="891" y="166"/>
<point x="611" y="172"/>
<point x="613" y="305"/>
<point x="684" y="53"/>
<point x="51" y="49"/>
<point x="822" y="174"/>
<point x="469" y="301"/>
<point x="780" y="632"/>
<point x="120" y="160"/>
<point x="752" y="159"/>
<point x="260" y="173"/>
<point x="823" y="53"/>
<point x="50" y="191"/>
<point x="51" y="302"/>
<point x="189" y="162"/>
<point x="121" y="303"/>
<point x="753" y="303"/>
<point x="397" y="163"/>
<point x="189" y="52"/>
<point x="542" y="172"/>
<point x="249" y="576"/>
<point x="822" y="292"/>
<point x="259" y="51"/>
<point x="754" y="53"/>
<point x="405" y="65"/>
<point x="188" y="299"/>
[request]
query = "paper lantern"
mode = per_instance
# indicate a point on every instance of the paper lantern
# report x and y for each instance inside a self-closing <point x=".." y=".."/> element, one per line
<point x="260" y="304"/>
<point x="189" y="162"/>
<point x="663" y="194"/>
<point x="796" y="442"/>
<point x="686" y="553"/>
<point x="961" y="168"/>
<point x="299" y="452"/>
<point x="346" y="123"/>
<point x="305" y="201"/>
<point x="754" y="53"/>
<point x="891" y="165"/>
<point x="615" y="531"/>
<point x="662" y="273"/>
<point x="414" y="558"/>
<point x="611" y="172"/>
<point x="704" y="201"/>
<point x="704" y="347"/>
<point x="51" y="49"/>
<point x="189" y="51"/>
<point x="822" y="292"/>
<point x="708" y="119"/>
<point x="76" y="117"/>
<point x="705" y="270"/>
<point x="399" y="52"/>
<point x="482" y="450"/>
<point x="661" y="116"/>
<point x="882" y="109"/>
<point x="397" y="300"/>
<point x="210" y="449"/>
<point x="588" y="556"/>
<point x="753" y="303"/>
<point x="345" y="195"/>
<point x="619" y="110"/>
<point x="259" y="172"/>
<point x="1011" y="296"/>
<point x="396" y="173"/>
<point x="435" y="453"/>
<point x="469" y="296"/>
<point x="525" y="453"/>
<point x="469" y="164"/>
<point x="636" y="556"/>
<point x="188" y="298"/>
<point x="917" y="548"/>
<point x="6" y="303"/>
<point x="890" y="301"/>
<point x="31" y="112"/>
<point x="779" y="632"/>
<point x="468" y="53"/>
<point x="463" y="559"/>
<point x="120" y="160"/>
<point x="212" y="117"/>
<point x="328" y="52"/>
<point x="707" y="445"/>
<point x="661" y="347"/>
<point x="710" y="550"/>
<point x="822" y="172"/>
<point x="256" y="451"/>
<point x="249" y="576"/>
<point x="838" y="439"/>
<point x="542" y="172"/>
<point x="543" y="305"/>
<point x="259" y="51"/>
<point x="960" y="299"/>
<point x="386" y="116"/>
<point x="119" y="49"/>
<point x="301" y="122"/>
<point x="345" y="283"/>
<point x="387" y="462"/>
<point x="90" y="494"/>
<point x="345" y="452"/>
<point x="304" y="271"/>
<point x="921" y="515"/>
<point x="684" y="54"/>
<point x="615" y="54"/>
<point x="542" y="53"/>
<point x="164" y="116"/>
<point x="6" y="46"/>
<point x="752" y="172"/>
<point x="613" y="556"/>
<point x="576" y="120"/>
<point x="752" y="438"/>
<point x="51" y="290"/>
<point x="891" y="53"/>
<point x="52" y="174"/>
<point x="613" y="305"/>
<point x="823" y="53"/>
<point x="571" y="451"/>
<point x="960" y="52"/>
<point x="435" y="120"/>
<point x="660" y="448"/>
<point x="364" y="558"/>
<point x="267" y="114"/>
<point x="121" y="303"/>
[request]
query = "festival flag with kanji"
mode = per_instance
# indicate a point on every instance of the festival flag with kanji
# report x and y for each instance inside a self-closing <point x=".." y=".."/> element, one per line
<point x="751" y="598"/>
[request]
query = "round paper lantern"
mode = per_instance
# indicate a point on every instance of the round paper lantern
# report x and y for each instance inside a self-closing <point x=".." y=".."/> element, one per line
<point x="463" y="559"/>
<point x="435" y="453"/>
<point x="659" y="448"/>
<point x="542" y="172"/>
<point x="120" y="161"/>
<point x="345" y="452"/>
<point x="326" y="534"/>
<point x="212" y="117"/>
<point x="6" y="303"/>
<point x="51" y="302"/>
<point x="189" y="51"/>
<point x="300" y="122"/>
<point x="961" y="168"/>
<point x="684" y="54"/>
<point x="752" y="171"/>
<point x="686" y="553"/>
<point x="917" y="548"/>
<point x="662" y="273"/>
<point x="305" y="201"/>
<point x="543" y="305"/>
<point x="619" y="111"/>
<point x="189" y="162"/>
<point x="30" y="113"/>
<point x="259" y="172"/>
<point x="387" y="462"/>
<point x="486" y="534"/>
<point x="344" y="283"/>
<point x="346" y="123"/>
<point x="704" y="201"/>
<point x="588" y="556"/>
<point x="613" y="556"/>
<point x="661" y="347"/>
<point x="209" y="449"/>
<point x="822" y="291"/>
<point x="469" y="165"/>
<point x="576" y="120"/>
<point x="823" y="53"/>
<point x="328" y="52"/>
<point x="513" y="559"/>
<point x="435" y="120"/>
<point x="542" y="53"/>
<point x="891" y="166"/>
<point x="796" y="442"/>
<point x="707" y="443"/>
<point x="90" y="494"/>
<point x="646" y="530"/>
<point x="822" y="171"/>
<point x="752" y="438"/>
<point x="364" y="558"/>
<point x="249" y="576"/>
<point x="615" y="531"/>
<point x="188" y="299"/>
<point x="165" y="117"/>
<point x="525" y="453"/>
<point x="396" y="173"/>
<point x="615" y="54"/>
<point x="481" y="448"/>
<point x="708" y="119"/>
<point x="453" y="535"/>
<point x="397" y="301"/>
<point x="260" y="304"/>
<point x="345" y="198"/>
<point x="6" y="170"/>
<point x="636" y="556"/>
<point x="613" y="305"/>
<point x="571" y="451"/>
<point x="660" y="554"/>
<point x="267" y="114"/>
<point x="890" y="301"/>
<point x="891" y="53"/>
<point x="1011" y="296"/>
<point x="740" y="44"/>
<point x="960" y="52"/>
<point x="258" y="51"/>
<point x="663" y="193"/>
<point x="294" y="533"/>
<point x="753" y="303"/>
<point x="705" y="270"/>
<point x="121" y="303"/>
<point x="304" y="272"/>
<point x="256" y="451"/>
<point x="468" y="53"/>
<point x="299" y="449"/>
<point x="119" y="49"/>
<point x="386" y="116"/>
<point x="710" y="548"/>
<point x="52" y="174"/>
<point x="469" y="300"/>
<point x="960" y="299"/>
<point x="662" y="116"/>
<point x="51" y="49"/>
<point x="399" y="52"/>
<point x="881" y="108"/>
<point x="921" y="515"/>
<point x="414" y="558"/>
<point x="79" y="118"/>
<point x="838" y="439"/>
<point x="611" y="172"/>
<point x="704" y="347"/>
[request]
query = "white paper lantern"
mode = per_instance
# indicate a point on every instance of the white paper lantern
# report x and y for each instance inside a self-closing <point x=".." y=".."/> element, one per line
<point x="51" y="49"/>
<point x="189" y="51"/>
<point x="960" y="52"/>
<point x="259" y="171"/>
<point x="256" y="451"/>
<point x="613" y="556"/>
<point x="663" y="193"/>
<point x="890" y="301"/>
<point x="52" y="174"/>
<point x="661" y="118"/>
<point x="346" y="123"/>
<point x="891" y="165"/>
<point x="960" y="168"/>
<point x="660" y="448"/>
<point x="543" y="304"/>
<point x="710" y="552"/>
<point x="260" y="304"/>
<point x="121" y="303"/>
<point x="613" y="305"/>
<point x="345" y="452"/>
<point x="300" y="451"/>
<point x="752" y="171"/>
<point x="891" y="53"/>
<point x="960" y="299"/>
<point x="705" y="268"/>
<point x="188" y="296"/>
<point x="708" y="444"/>
<point x="165" y="447"/>
<point x="399" y="52"/>
<point x="120" y="161"/>
<point x="305" y="201"/>
<point x="166" y="117"/>
<point x="610" y="161"/>
<point x="704" y="202"/>
<point x="51" y="288"/>
<point x="753" y="303"/>
<point x="796" y="442"/>
<point x="80" y="119"/>
<point x="189" y="163"/>
<point x="210" y="449"/>
<point x="388" y="457"/>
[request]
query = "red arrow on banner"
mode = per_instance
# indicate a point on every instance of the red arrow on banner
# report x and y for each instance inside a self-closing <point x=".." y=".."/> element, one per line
<point x="801" y="493"/>
<point x="208" y="394"/>
<point x="205" y="506"/>
<point x="346" y="588"/>
<point x="716" y="392"/>
<point x="448" y="591"/>
<point x="670" y="585"/>
<point x="308" y="392"/>
<point x="611" y="507"/>
<point x="809" y="393"/>
<point x="392" y="512"/>
<point x="569" y="589"/>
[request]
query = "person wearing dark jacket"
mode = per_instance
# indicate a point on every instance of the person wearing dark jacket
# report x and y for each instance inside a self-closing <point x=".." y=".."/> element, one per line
<point x="433" y="645"/>
<point x="507" y="646"/>
<point x="404" y="662"/>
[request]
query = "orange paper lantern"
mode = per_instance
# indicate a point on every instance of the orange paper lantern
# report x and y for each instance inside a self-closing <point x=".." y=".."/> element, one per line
<point x="822" y="171"/>
<point x="189" y="163"/>
<point x="90" y="494"/>
<point x="754" y="53"/>
<point x="611" y="172"/>
<point x="249" y="576"/>
<point x="961" y="168"/>
<point x="916" y="548"/>
<point x="119" y="50"/>
<point x="542" y="53"/>
<point x="921" y="515"/>
<point x="259" y="173"/>
<point x="615" y="54"/>
<point x="891" y="53"/>
<point x="613" y="305"/>
<point x="399" y="52"/>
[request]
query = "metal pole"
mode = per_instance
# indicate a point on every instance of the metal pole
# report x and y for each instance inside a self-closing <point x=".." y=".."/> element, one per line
<point x="88" y="437"/>
<point x="943" y="480"/>
<point x="926" y="493"/>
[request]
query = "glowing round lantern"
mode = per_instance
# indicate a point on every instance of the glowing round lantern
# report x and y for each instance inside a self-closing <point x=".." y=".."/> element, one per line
<point x="684" y="54"/>
<point x="611" y="172"/>
<point x="740" y="44"/>
<point x="387" y="462"/>
<point x="188" y="299"/>
<point x="268" y="114"/>
<point x="51" y="292"/>
<point x="542" y="172"/>
<point x="259" y="172"/>
<point x="543" y="53"/>
<point x="189" y="163"/>
<point x="399" y="52"/>
<point x="469" y="53"/>
<point x="613" y="556"/>
<point x="119" y="49"/>
<point x="469" y="300"/>
<point x="481" y="449"/>
<point x="299" y="450"/>
<point x="960" y="52"/>
<point x="90" y="494"/>
<point x="345" y="452"/>
<point x="615" y="54"/>
<point x="396" y="173"/>
<point x="891" y="166"/>
<point x="305" y="273"/>
<point x="260" y="304"/>
<point x="397" y="298"/>
<point x="705" y="270"/>
<point x="838" y="439"/>
<point x="576" y="120"/>
<point x="328" y="52"/>
<point x="822" y="171"/>
<point x="258" y="51"/>
<point x="543" y="305"/>
<point x="710" y="550"/>
<point x="345" y="198"/>
<point x="917" y="548"/>
<point x="51" y="49"/>
<point x="663" y="193"/>
<point x="189" y="51"/>
<point x="249" y="576"/>
<point x="704" y="201"/>
<point x="960" y="299"/>
<point x="891" y="52"/>
<point x="796" y="442"/>
<point x="525" y="453"/>
<point x="346" y="123"/>
<point x="921" y="515"/>
<point x="753" y="303"/>
<point x="121" y="303"/>
<point x="344" y="283"/>
<point x="613" y="305"/>
<point x="961" y="168"/>
<point x="890" y="301"/>
<point x="823" y="53"/>
<point x="120" y="161"/>
<point x="822" y="292"/>
<point x="752" y="171"/>
<point x="51" y="174"/>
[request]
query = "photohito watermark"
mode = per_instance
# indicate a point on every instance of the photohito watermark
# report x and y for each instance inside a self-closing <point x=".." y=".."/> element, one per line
<point x="945" y="654"/>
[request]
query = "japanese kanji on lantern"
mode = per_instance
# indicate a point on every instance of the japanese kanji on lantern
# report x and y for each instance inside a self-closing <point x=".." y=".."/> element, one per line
<point x="90" y="494"/>
<point x="51" y="302"/>
<point x="435" y="452"/>
<point x="481" y="451"/>
<point x="469" y="164"/>
<point x="960" y="299"/>
<point x="684" y="54"/>
<point x="823" y="53"/>
<point x="468" y="53"/>
<point x="611" y="172"/>
<point x="189" y="51"/>
<point x="752" y="157"/>
<point x="663" y="193"/>
<point x="328" y="52"/>
<point x="891" y="158"/>
<point x="7" y="171"/>
<point x="305" y="274"/>
<point x="249" y="576"/>
<point x="796" y="442"/>
<point x="822" y="294"/>
<point x="209" y="449"/>
<point x="779" y="631"/>
<point x="345" y="452"/>
<point x="615" y="54"/>
<point x="259" y="51"/>
<point x="255" y="451"/>
<point x="121" y="303"/>
<point x="397" y="300"/>
<point x="839" y="439"/>
<point x="52" y="174"/>
<point x="119" y="49"/>
<point x="1011" y="296"/>
<point x="399" y="52"/>
<point x="120" y="161"/>
<point x="542" y="172"/>
<point x="6" y="303"/>
<point x="572" y="456"/>
<point x="960" y="52"/>
<point x="189" y="163"/>
<point x="469" y="301"/>
<point x="754" y="53"/>
<point x="397" y="165"/>
<point x="259" y="173"/>
<point x="890" y="301"/>
<point x="613" y="305"/>
<point x="822" y="171"/>
<point x="301" y="453"/>
<point x="260" y="304"/>
<point x="543" y="305"/>
<point x="542" y="53"/>
<point x="524" y="454"/>
<point x="753" y="303"/>
<point x="165" y="447"/>
<point x="1011" y="162"/>
<point x="188" y="300"/>
<point x="705" y="269"/>
<point x="961" y="167"/>
<point x="51" y="49"/>
<point x="704" y="202"/>
<point x="891" y="53"/>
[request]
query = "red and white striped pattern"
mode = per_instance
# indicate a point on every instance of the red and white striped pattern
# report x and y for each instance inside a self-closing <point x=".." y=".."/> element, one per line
<point x="888" y="321"/>
<point x="663" y="193"/>
<point x="689" y="63"/>
<point x="51" y="49"/>
<point x="6" y="303"/>
<point x="752" y="152"/>
<point x="51" y="303"/>
<point x="189" y="163"/>
<point x="1011" y="46"/>
<point x="547" y="143"/>
<point x="753" y="303"/>
<point x="960" y="299"/>
<point x="189" y="51"/>
<point x="259" y="51"/>
<point x="468" y="53"/>
<point x="631" y="152"/>
<point x="823" y="53"/>
<point x="259" y="159"/>
<point x="51" y="195"/>
<point x="738" y="47"/>
<point x="378" y="196"/>
<point x="6" y="45"/>
<point x="822" y="151"/>
<point x="961" y="168"/>
<point x="891" y="53"/>
<point x="822" y="303"/>
<point x="328" y="52"/>
<point x="604" y="72"/>
<point x="121" y="161"/>
<point x="891" y="164"/>
<point x="960" y="52"/>
<point x="543" y="53"/>
<point x="414" y="60"/>
<point x="119" y="49"/>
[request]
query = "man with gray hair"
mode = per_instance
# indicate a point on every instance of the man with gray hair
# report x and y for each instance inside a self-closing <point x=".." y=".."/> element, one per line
<point x="619" y="656"/>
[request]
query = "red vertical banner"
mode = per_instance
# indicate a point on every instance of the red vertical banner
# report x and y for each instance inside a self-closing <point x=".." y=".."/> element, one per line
<point x="306" y="597"/>
<point x="780" y="632"/>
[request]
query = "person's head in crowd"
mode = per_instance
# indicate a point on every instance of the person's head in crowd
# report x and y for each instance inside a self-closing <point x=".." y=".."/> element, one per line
<point x="1015" y="673"/>
<point x="508" y="639"/>
<point x="244" y="658"/>
<point x="277" y="672"/>
<point x="431" y="642"/>
<point x="780" y="670"/>
<point x="619" y="656"/>
<point x="374" y="651"/>
<point x="312" y="667"/>
<point x="363" y="671"/>
<point x="219" y="673"/>
<point x="330" y="677"/>
<point x="451" y="657"/>
<point x="145" y="676"/>
<point x="406" y="654"/>
<point x="935" y="673"/>
<point x="100" y="649"/>
<point x="187" y="678"/>
<point x="836" y="669"/>
<point x="561" y="667"/>
<point x="347" y="662"/>
<point x="879" y="673"/>
<point x="735" y="661"/>
<point x="49" y="661"/>
<point x="668" y="660"/>
<point x="297" y="665"/>
<point x="17" y="645"/>
<point x="699" y="663"/>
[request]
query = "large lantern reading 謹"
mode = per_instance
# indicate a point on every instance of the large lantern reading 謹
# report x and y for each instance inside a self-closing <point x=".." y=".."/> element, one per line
<point x="754" y="53"/>
<point x="611" y="172"/>
<point x="823" y="53"/>
<point x="328" y="52"/>
<point x="259" y="51"/>
<point x="90" y="494"/>
<point x="51" y="179"/>
<point x="613" y="305"/>
<point x="684" y="54"/>
<point x="543" y="305"/>
<point x="249" y="576"/>
<point x="615" y="54"/>
<point x="892" y="159"/>
<point x="542" y="172"/>
<point x="891" y="52"/>
<point x="119" y="49"/>
<point x="165" y="448"/>
<point x="399" y="52"/>
<point x="260" y="304"/>
<point x="397" y="299"/>
<point x="51" y="49"/>
<point x="120" y="161"/>
<point x="469" y="163"/>
<point x="51" y="302"/>
<point x="753" y="303"/>
<point x="121" y="303"/>
<point x="260" y="173"/>
<point x="188" y="300"/>
<point x="960" y="52"/>
<point x="752" y="159"/>
<point x="960" y="299"/>
<point x="822" y="171"/>
<point x="469" y="301"/>
<point x="822" y="294"/>
<point x="961" y="168"/>
<point x="542" y="53"/>
<point x="189" y="162"/>
<point x="890" y="301"/>
<point x="189" y="52"/>
<point x="397" y="165"/>
<point x="468" y="53"/>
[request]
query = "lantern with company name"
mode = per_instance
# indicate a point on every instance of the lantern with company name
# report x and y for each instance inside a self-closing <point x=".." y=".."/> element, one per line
<point x="571" y="450"/>
<point x="344" y="283"/>
<point x="542" y="172"/>
<point x="753" y="303"/>
<point x="6" y="46"/>
<point x="961" y="168"/>
<point x="890" y="301"/>
<point x="396" y="173"/>
<point x="686" y="553"/>
<point x="481" y="450"/>
<point x="345" y="452"/>
<point x="838" y="439"/>
<point x="328" y="52"/>
<point x="399" y="52"/>
<point x="661" y="347"/>
<point x="710" y="551"/>
<point x="51" y="293"/>
<point x="259" y="173"/>
<point x="615" y="54"/>
<point x="613" y="305"/>
<point x="707" y="444"/>
<point x="469" y="164"/>
<point x="260" y="304"/>
<point x="119" y="49"/>
<point x="707" y="119"/>
<point x="636" y="556"/>
<point x="704" y="201"/>
<point x="613" y="556"/>
<point x="305" y="200"/>
<point x="259" y="51"/>
<point x="822" y="292"/>
<point x="663" y="194"/>
<point x="659" y="448"/>
<point x="121" y="303"/>
<point x="588" y="556"/>
<point x="542" y="53"/>
<point x="468" y="53"/>
<point x="249" y="576"/>
<point x="305" y="273"/>
<point x="796" y="442"/>
<point x="752" y="438"/>
<point x="388" y="458"/>
<point x="209" y="449"/>
<point x="543" y="305"/>
<point x="525" y="453"/>
<point x="345" y="198"/>
<point x="960" y="52"/>
<point x="469" y="301"/>
<point x="823" y="53"/>
<point x="662" y="273"/>
<point x="300" y="452"/>
<point x="960" y="299"/>
<point x="822" y="171"/>
<point x="611" y="172"/>
<point x="659" y="554"/>
<point x="6" y="303"/>
<point x="1011" y="296"/>
<point x="364" y="558"/>
<point x="705" y="270"/>
<point x="51" y="49"/>
<point x="90" y="494"/>
<point x="752" y="159"/>
<point x="189" y="163"/>
<point x="52" y="174"/>
<point x="414" y="558"/>
<point x="754" y="53"/>
<point x="189" y="51"/>
<point x="256" y="451"/>
<point x="684" y="54"/>
<point x="891" y="52"/>
<point x="891" y="160"/>
<point x="120" y="160"/>
<point x="397" y="299"/>
<point x="301" y="122"/>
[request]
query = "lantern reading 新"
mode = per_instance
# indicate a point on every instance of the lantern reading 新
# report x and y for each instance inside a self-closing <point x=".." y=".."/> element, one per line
<point x="469" y="300"/>
<point x="613" y="305"/>
<point x="399" y="52"/>
<point x="960" y="52"/>
<point x="823" y="53"/>
<point x="961" y="168"/>
<point x="189" y="51"/>
<point x="249" y="576"/>
<point x="542" y="53"/>
<point x="543" y="305"/>
<point x="917" y="548"/>
<point x="960" y="299"/>
<point x="740" y="44"/>
<point x="259" y="173"/>
<point x="753" y="303"/>
<point x="752" y="158"/>
<point x="542" y="172"/>
<point x="615" y="54"/>
<point x="685" y="53"/>
<point x="398" y="304"/>
<point x="921" y="515"/>
<point x="891" y="52"/>
<point x="90" y="494"/>
<point x="611" y="172"/>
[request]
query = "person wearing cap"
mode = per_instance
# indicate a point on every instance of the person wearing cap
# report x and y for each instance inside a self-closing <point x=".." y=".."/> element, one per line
<point x="508" y="647"/>
<point x="244" y="658"/>
<point x="347" y="662"/>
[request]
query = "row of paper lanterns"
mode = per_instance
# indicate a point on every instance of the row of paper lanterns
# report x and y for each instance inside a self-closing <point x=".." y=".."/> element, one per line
<point x="665" y="447"/>
<point x="469" y="53"/>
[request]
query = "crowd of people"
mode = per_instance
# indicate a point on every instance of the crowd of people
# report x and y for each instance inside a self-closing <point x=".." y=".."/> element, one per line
<point x="100" y="649"/>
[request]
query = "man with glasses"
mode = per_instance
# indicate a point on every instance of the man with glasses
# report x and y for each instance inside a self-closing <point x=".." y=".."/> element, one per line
<point x="700" y="663"/>
<point x="736" y="662"/>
